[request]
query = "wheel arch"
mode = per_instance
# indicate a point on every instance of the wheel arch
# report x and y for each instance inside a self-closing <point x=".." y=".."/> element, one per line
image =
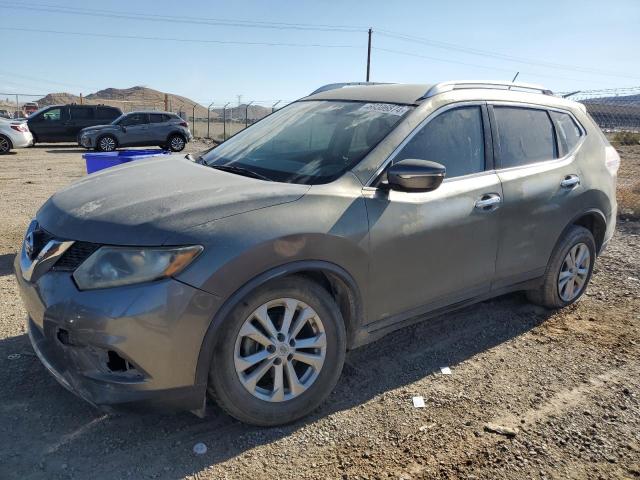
<point x="176" y="132"/>
<point x="333" y="278"/>
<point x="594" y="221"/>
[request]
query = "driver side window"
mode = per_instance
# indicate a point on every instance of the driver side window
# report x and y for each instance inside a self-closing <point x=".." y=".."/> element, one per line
<point x="134" y="119"/>
<point x="454" y="138"/>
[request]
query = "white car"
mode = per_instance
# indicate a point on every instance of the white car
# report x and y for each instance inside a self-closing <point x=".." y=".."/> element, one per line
<point x="14" y="134"/>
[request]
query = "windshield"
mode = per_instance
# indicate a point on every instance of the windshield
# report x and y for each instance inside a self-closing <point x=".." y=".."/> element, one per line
<point x="117" y="120"/>
<point x="308" y="142"/>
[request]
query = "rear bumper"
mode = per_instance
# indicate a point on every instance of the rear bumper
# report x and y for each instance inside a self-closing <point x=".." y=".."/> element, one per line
<point x="135" y="347"/>
<point x="22" y="140"/>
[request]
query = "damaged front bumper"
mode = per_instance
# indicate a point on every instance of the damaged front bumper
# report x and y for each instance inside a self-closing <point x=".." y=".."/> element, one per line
<point x="134" y="347"/>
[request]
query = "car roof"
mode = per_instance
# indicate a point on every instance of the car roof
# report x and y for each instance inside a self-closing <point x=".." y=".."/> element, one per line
<point x="387" y="93"/>
<point x="414" y="94"/>
<point x="151" y="111"/>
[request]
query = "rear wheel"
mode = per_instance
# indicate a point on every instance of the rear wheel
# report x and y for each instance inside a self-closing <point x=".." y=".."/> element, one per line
<point x="106" y="143"/>
<point x="176" y="143"/>
<point x="280" y="353"/>
<point x="5" y="145"/>
<point x="569" y="270"/>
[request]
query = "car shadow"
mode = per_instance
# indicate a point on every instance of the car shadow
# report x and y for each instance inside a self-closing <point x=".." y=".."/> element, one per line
<point x="53" y="429"/>
<point x="6" y="264"/>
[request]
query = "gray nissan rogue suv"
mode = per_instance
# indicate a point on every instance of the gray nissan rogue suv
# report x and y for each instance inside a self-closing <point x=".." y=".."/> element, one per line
<point x="246" y="273"/>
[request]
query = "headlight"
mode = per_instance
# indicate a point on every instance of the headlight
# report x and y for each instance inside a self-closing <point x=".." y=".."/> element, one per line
<point x="116" y="266"/>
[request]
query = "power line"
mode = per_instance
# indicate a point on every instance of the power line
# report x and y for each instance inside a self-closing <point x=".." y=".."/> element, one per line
<point x="173" y="39"/>
<point x="183" y="19"/>
<point x="501" y="56"/>
<point x="475" y="65"/>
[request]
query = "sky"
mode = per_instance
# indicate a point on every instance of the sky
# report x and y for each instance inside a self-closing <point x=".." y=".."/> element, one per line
<point x="565" y="45"/>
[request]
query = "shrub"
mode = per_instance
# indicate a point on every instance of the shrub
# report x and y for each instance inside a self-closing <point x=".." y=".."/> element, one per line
<point x="627" y="138"/>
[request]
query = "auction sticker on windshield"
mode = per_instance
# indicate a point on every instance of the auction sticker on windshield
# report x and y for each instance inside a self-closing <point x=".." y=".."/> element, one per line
<point x="390" y="108"/>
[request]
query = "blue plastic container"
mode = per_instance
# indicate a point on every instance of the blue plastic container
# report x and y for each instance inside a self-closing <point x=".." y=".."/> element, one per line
<point x="101" y="160"/>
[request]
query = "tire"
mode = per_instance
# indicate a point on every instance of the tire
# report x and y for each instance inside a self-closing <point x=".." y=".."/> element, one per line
<point x="554" y="291"/>
<point x="106" y="143"/>
<point x="176" y="143"/>
<point x="263" y="404"/>
<point x="5" y="145"/>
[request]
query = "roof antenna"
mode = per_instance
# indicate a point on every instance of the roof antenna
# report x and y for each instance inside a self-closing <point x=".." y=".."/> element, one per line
<point x="514" y="79"/>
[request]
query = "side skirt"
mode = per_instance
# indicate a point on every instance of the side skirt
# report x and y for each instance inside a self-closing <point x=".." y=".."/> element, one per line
<point x="378" y="329"/>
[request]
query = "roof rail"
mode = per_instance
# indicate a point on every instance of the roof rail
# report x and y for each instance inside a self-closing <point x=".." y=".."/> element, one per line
<point x="466" y="84"/>
<point x="334" y="86"/>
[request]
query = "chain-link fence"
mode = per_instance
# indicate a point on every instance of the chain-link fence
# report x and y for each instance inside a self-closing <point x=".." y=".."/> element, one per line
<point x="614" y="110"/>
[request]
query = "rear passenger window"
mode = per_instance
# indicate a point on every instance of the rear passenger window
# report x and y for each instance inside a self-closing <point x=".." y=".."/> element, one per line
<point x="107" y="113"/>
<point x="525" y="135"/>
<point x="81" y="113"/>
<point x="156" y="118"/>
<point x="567" y="131"/>
<point x="454" y="138"/>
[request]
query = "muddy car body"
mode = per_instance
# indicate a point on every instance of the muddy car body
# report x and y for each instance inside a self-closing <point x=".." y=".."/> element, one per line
<point x="274" y="257"/>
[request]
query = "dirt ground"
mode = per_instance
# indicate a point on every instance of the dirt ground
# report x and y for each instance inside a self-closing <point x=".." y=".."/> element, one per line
<point x="566" y="382"/>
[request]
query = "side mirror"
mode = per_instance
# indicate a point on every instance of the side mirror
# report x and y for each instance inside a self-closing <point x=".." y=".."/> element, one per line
<point x="412" y="175"/>
<point x="123" y="128"/>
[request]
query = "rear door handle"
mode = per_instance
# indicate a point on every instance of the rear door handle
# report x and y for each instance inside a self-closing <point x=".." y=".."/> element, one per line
<point x="570" y="181"/>
<point x="488" y="202"/>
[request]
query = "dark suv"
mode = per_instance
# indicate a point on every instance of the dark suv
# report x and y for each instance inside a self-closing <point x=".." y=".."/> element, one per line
<point x="349" y="213"/>
<point x="62" y="123"/>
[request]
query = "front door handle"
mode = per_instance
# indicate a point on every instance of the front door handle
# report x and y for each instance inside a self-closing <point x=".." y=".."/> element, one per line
<point x="489" y="202"/>
<point x="570" y="181"/>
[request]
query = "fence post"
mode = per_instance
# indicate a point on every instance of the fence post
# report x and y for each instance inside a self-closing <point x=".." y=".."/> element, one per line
<point x="193" y="119"/>
<point x="273" y="107"/>
<point x="246" y="114"/>
<point x="224" y="122"/>
<point x="209" y="119"/>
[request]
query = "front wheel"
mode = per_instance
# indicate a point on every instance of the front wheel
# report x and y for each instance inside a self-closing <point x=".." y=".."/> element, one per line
<point x="106" y="144"/>
<point x="280" y="353"/>
<point x="569" y="270"/>
<point x="176" y="143"/>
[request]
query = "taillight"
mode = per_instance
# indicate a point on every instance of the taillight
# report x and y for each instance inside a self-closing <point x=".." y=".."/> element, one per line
<point x="611" y="159"/>
<point x="20" y="127"/>
<point x="184" y="124"/>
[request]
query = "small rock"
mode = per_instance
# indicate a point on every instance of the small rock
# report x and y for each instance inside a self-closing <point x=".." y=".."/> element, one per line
<point x="500" y="430"/>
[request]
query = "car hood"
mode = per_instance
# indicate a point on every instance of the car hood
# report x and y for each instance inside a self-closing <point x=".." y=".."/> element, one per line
<point x="146" y="201"/>
<point x="97" y="127"/>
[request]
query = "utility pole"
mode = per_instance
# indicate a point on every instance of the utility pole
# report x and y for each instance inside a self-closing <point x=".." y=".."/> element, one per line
<point x="166" y="102"/>
<point x="369" y="55"/>
<point x="246" y="114"/>
<point x="17" y="104"/>
<point x="239" y="99"/>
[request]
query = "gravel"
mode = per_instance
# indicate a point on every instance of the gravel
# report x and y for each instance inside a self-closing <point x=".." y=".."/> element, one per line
<point x="567" y="382"/>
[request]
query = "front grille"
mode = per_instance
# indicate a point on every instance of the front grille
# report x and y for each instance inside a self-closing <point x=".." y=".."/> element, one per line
<point x="74" y="256"/>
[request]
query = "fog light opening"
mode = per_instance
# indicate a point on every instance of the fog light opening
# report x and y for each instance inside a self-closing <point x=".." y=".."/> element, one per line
<point x="118" y="364"/>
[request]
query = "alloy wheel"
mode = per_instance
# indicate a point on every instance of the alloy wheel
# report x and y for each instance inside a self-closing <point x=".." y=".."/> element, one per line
<point x="280" y="350"/>
<point x="177" y="143"/>
<point x="107" y="144"/>
<point x="4" y="145"/>
<point x="574" y="272"/>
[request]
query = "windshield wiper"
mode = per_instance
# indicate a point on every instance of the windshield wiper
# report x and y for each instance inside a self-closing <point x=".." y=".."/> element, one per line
<point x="240" y="171"/>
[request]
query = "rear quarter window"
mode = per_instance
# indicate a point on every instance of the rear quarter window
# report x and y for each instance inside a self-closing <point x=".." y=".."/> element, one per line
<point x="82" y="113"/>
<point x="567" y="130"/>
<point x="525" y="135"/>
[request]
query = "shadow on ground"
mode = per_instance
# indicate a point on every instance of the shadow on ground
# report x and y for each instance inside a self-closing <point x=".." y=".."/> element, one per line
<point x="6" y="264"/>
<point x="46" y="431"/>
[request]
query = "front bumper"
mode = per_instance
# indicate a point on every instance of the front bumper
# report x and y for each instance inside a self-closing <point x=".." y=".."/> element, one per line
<point x="134" y="347"/>
<point x="85" y="141"/>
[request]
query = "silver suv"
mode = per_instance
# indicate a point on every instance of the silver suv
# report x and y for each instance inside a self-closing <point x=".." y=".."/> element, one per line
<point x="138" y="129"/>
<point x="248" y="273"/>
